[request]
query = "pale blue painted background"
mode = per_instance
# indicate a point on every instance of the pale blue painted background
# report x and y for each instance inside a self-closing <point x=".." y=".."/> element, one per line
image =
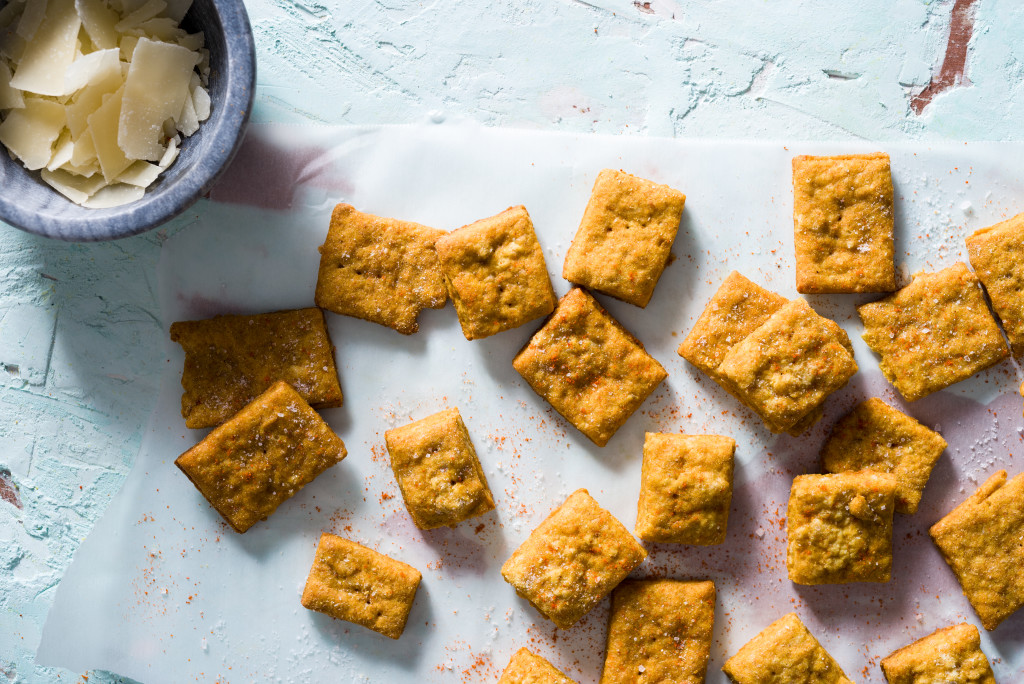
<point x="81" y="336"/>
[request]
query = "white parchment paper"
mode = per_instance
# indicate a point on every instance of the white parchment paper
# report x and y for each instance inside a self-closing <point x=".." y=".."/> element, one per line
<point x="163" y="591"/>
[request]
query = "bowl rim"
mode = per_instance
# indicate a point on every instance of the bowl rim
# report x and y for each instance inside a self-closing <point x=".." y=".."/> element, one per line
<point x="228" y="129"/>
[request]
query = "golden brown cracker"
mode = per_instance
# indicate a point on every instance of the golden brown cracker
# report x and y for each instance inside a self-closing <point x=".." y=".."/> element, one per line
<point x="997" y="255"/>
<point x="981" y="541"/>
<point x="875" y="436"/>
<point x="572" y="560"/>
<point x="843" y="223"/>
<point x="262" y="456"/>
<point x="685" y="488"/>
<point x="934" y="332"/>
<point x="495" y="273"/>
<point x="785" y="652"/>
<point x="379" y="269"/>
<point x="788" y="366"/>
<point x="230" y="360"/>
<point x="353" y="583"/>
<point x="839" y="528"/>
<point x="586" y="365"/>
<point x="438" y="471"/>
<point x="659" y="631"/>
<point x="625" y="237"/>
<point x="951" y="655"/>
<point x="527" y="667"/>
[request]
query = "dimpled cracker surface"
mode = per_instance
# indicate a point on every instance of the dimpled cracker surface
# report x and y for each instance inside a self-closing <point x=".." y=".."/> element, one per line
<point x="230" y="360"/>
<point x="379" y="269"/>
<point x="948" y="656"/>
<point x="625" y="237"/>
<point x="738" y="308"/>
<point x="787" y="367"/>
<point x="843" y="224"/>
<point x="438" y="471"/>
<point x="260" y="458"/>
<point x="659" y="631"/>
<point x="588" y="367"/>
<point x="495" y="274"/>
<point x="685" y="488"/>
<point x="934" y="332"/>
<point x="840" y="528"/>
<point x="981" y="540"/>
<point x="997" y="256"/>
<point x="785" y="652"/>
<point x="572" y="560"/>
<point x="875" y="436"/>
<point x="353" y="583"/>
<point x="529" y="668"/>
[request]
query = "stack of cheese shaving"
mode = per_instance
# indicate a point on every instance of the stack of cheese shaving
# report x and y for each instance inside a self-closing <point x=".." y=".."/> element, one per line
<point x="97" y="94"/>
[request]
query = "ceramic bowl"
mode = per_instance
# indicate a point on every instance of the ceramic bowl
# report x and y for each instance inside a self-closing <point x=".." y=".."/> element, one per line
<point x="30" y="204"/>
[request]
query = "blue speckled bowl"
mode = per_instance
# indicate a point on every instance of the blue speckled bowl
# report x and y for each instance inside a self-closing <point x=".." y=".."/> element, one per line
<point x="32" y="205"/>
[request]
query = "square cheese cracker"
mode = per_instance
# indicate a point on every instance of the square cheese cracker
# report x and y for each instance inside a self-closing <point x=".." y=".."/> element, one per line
<point x="934" y="332"/>
<point x="438" y="471"/>
<point x="659" y="631"/>
<point x="495" y="274"/>
<point x="786" y="368"/>
<point x="685" y="488"/>
<point x="526" y="667"/>
<point x="588" y="367"/>
<point x="875" y="436"/>
<point x="625" y="237"/>
<point x="981" y="541"/>
<point x="785" y="652"/>
<point x="843" y="224"/>
<point x="353" y="583"/>
<point x="263" y="456"/>
<point x="572" y="560"/>
<point x="839" y="528"/>
<point x="997" y="255"/>
<point x="230" y="360"/>
<point x="947" y="656"/>
<point x="379" y="269"/>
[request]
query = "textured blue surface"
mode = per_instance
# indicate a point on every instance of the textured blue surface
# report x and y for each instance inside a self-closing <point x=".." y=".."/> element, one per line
<point x="30" y="204"/>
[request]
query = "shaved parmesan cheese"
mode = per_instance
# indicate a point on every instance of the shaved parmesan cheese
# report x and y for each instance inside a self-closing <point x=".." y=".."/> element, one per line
<point x="103" y="125"/>
<point x="201" y="101"/>
<point x="177" y="9"/>
<point x="10" y="98"/>
<point x="62" y="151"/>
<point x="29" y="132"/>
<point x="50" y="51"/>
<point x="147" y="11"/>
<point x="154" y="91"/>
<point x="99" y="22"/>
<point x="140" y="173"/>
<point x="115" y="196"/>
<point x="75" y="188"/>
<point x="93" y="91"/>
<point x="95" y="67"/>
<point x="31" y="18"/>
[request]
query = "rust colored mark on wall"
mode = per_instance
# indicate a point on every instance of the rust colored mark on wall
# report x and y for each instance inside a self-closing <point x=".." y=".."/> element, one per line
<point x="9" y="490"/>
<point x="951" y="74"/>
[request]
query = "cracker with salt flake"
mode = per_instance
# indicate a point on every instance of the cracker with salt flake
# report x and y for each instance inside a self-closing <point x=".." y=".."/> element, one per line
<point x="782" y="653"/>
<point x="997" y="255"/>
<point x="951" y="655"/>
<point x="875" y="436"/>
<point x="351" y="582"/>
<point x="527" y="667"/>
<point x="843" y="224"/>
<point x="934" y="332"/>
<point x="572" y="560"/>
<point x="379" y="269"/>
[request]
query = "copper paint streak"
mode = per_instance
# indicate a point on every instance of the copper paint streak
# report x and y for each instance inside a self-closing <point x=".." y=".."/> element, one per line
<point x="951" y="74"/>
<point x="9" y="490"/>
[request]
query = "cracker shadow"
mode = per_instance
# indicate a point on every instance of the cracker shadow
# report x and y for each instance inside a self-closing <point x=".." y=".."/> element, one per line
<point x="465" y="552"/>
<point x="405" y="653"/>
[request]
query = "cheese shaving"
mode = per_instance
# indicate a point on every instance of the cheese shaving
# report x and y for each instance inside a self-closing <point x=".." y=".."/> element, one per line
<point x="93" y="92"/>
